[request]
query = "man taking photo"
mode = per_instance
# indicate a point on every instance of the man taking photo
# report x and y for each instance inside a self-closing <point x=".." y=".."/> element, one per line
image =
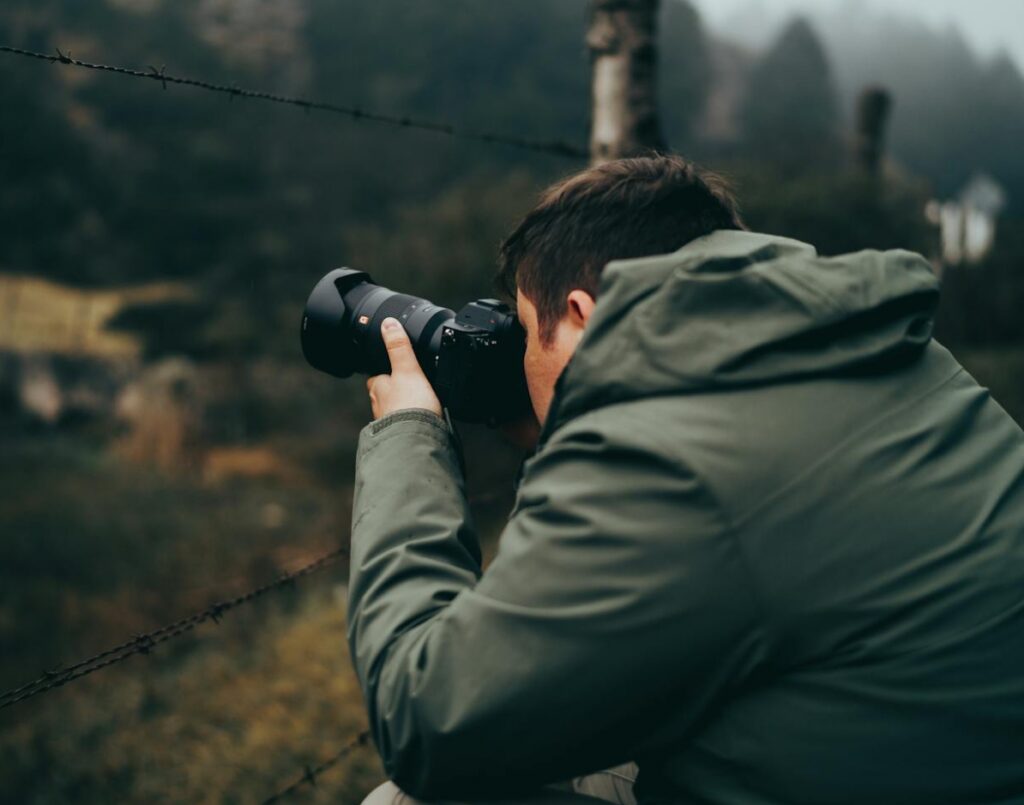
<point x="770" y="547"/>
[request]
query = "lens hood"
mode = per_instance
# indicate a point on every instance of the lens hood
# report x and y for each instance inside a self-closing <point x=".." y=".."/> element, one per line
<point x="325" y="323"/>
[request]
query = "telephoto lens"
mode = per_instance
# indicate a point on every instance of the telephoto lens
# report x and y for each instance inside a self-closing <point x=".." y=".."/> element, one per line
<point x="473" y="359"/>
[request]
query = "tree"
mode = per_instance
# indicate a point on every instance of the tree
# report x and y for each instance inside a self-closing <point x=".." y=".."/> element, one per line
<point x="873" y="108"/>
<point x="790" y="115"/>
<point x="684" y="72"/>
<point x="622" y="38"/>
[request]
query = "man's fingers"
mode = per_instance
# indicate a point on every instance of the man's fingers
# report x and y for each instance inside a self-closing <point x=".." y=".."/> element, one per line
<point x="400" y="351"/>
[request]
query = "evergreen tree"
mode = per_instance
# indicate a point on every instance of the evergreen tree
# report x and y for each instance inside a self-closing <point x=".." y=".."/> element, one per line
<point x="1000" y="127"/>
<point x="790" y="115"/>
<point x="685" y="72"/>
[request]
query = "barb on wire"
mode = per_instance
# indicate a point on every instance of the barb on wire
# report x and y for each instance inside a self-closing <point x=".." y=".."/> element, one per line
<point x="145" y="643"/>
<point x="553" y="147"/>
<point x="310" y="774"/>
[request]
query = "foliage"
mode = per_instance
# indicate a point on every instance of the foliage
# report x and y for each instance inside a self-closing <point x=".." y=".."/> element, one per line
<point x="230" y="720"/>
<point x="791" y="115"/>
<point x="972" y="314"/>
<point x="123" y="533"/>
<point x="837" y="211"/>
<point x="685" y="72"/>
<point x="109" y="182"/>
<point x="956" y="114"/>
<point x="96" y="549"/>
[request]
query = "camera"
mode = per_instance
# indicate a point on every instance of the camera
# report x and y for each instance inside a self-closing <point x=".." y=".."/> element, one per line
<point x="473" y="358"/>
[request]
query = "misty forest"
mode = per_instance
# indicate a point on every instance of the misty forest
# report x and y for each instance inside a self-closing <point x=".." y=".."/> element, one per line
<point x="163" y="444"/>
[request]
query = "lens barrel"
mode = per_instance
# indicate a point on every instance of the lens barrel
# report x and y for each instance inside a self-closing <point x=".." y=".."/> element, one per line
<point x="341" y="325"/>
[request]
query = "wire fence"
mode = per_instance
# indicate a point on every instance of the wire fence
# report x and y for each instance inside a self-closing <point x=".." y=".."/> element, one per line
<point x="311" y="773"/>
<point x="553" y="147"/>
<point x="145" y="643"/>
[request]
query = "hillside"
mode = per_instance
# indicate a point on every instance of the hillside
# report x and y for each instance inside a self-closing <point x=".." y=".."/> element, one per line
<point x="178" y="232"/>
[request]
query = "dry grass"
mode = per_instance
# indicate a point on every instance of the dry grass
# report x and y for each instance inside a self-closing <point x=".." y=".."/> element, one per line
<point x="234" y="720"/>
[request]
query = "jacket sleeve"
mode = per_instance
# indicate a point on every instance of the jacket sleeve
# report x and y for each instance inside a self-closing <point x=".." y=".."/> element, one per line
<point x="616" y="613"/>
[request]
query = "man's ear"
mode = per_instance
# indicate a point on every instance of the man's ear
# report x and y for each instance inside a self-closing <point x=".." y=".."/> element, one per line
<point x="581" y="306"/>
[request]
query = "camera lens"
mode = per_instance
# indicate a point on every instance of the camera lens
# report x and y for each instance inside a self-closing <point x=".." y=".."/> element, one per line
<point x="341" y="325"/>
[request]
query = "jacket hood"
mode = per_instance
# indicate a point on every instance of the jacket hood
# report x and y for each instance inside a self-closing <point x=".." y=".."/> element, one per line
<point x="735" y="309"/>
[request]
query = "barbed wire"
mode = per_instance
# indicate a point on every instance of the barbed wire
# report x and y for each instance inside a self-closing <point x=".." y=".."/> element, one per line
<point x="553" y="147"/>
<point x="311" y="773"/>
<point x="145" y="643"/>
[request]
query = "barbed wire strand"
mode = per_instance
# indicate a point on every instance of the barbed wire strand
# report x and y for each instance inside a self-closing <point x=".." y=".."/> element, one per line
<point x="553" y="147"/>
<point x="145" y="643"/>
<point x="311" y="773"/>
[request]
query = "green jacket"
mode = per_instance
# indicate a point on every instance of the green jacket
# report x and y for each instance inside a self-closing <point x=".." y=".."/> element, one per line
<point x="771" y="548"/>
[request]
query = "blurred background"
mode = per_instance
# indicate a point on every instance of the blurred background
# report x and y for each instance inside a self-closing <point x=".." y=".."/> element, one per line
<point x="164" y="446"/>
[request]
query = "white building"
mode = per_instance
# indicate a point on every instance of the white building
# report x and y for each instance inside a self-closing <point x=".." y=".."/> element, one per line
<point x="968" y="223"/>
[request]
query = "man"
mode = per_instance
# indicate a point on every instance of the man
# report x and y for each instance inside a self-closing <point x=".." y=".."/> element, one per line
<point x="770" y="546"/>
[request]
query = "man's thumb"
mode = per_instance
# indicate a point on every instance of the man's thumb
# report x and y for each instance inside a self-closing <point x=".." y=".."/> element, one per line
<point x="399" y="348"/>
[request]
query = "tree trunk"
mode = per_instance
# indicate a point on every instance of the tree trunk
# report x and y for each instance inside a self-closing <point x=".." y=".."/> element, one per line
<point x="873" y="108"/>
<point x="622" y="38"/>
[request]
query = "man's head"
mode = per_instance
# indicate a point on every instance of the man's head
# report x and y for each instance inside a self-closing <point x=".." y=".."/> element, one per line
<point x="552" y="262"/>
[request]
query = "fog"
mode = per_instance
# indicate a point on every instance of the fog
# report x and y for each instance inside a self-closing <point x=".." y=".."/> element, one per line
<point x="989" y="25"/>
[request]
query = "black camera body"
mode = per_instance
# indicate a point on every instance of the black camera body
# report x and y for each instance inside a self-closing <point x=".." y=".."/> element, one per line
<point x="473" y="359"/>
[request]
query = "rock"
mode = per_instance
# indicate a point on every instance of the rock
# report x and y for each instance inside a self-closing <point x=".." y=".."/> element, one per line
<point x="162" y="411"/>
<point x="38" y="392"/>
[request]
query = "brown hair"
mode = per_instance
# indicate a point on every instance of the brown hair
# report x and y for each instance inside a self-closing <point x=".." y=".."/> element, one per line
<point x="618" y="210"/>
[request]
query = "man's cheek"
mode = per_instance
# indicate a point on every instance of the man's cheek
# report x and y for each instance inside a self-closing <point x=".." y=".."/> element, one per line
<point x="532" y="367"/>
<point x="529" y="364"/>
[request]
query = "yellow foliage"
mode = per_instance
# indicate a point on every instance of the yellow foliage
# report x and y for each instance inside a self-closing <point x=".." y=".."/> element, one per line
<point x="37" y="315"/>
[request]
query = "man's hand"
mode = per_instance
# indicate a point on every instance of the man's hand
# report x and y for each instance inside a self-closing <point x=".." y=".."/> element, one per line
<point x="406" y="387"/>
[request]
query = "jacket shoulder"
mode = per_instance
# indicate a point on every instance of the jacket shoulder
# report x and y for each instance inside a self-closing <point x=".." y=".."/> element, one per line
<point x="651" y="424"/>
